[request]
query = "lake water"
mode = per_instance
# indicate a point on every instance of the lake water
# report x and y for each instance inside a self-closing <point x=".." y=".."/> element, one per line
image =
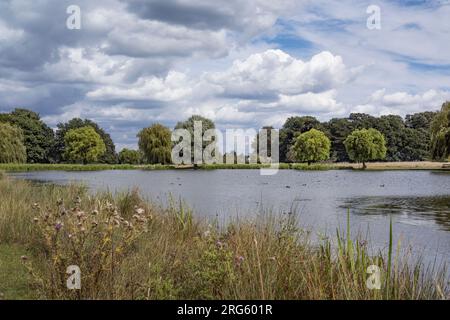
<point x="417" y="201"/>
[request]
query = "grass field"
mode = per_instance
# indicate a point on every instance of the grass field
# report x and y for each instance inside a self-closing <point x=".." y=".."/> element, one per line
<point x="127" y="248"/>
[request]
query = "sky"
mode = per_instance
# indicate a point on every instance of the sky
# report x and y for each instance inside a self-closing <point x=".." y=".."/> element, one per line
<point x="243" y="64"/>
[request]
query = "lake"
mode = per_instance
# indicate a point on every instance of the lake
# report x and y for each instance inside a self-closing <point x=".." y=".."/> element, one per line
<point x="417" y="201"/>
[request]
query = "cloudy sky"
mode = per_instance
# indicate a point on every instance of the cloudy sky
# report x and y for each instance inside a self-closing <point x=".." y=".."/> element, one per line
<point x="241" y="63"/>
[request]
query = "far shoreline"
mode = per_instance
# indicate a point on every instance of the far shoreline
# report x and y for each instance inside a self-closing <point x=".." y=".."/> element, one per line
<point x="371" y="166"/>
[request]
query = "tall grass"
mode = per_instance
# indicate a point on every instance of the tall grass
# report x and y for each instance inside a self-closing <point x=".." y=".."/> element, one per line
<point x="172" y="255"/>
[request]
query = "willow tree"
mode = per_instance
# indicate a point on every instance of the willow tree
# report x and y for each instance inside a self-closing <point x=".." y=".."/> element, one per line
<point x="156" y="144"/>
<point x="38" y="137"/>
<point x="12" y="148"/>
<point x="83" y="145"/>
<point x="311" y="146"/>
<point x="440" y="134"/>
<point x="365" y="145"/>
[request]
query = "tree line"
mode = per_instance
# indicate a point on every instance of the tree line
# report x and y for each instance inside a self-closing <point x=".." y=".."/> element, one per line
<point x="24" y="137"/>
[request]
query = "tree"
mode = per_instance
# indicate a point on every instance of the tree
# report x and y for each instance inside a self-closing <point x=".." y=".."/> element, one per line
<point x="312" y="146"/>
<point x="12" y="149"/>
<point x="207" y="124"/>
<point x="39" y="139"/>
<point x="156" y="144"/>
<point x="83" y="145"/>
<point x="339" y="129"/>
<point x="109" y="156"/>
<point x="440" y="134"/>
<point x="127" y="156"/>
<point x="364" y="145"/>
<point x="291" y="128"/>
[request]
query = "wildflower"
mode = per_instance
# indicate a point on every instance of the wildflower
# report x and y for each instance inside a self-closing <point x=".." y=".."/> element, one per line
<point x="83" y="229"/>
<point x="58" y="226"/>
<point x="24" y="258"/>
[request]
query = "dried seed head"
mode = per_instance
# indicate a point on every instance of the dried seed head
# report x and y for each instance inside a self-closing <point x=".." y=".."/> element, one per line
<point x="139" y="210"/>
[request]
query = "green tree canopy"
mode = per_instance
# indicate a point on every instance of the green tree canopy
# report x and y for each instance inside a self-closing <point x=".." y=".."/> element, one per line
<point x="83" y="145"/>
<point x="292" y="128"/>
<point x="311" y="146"/>
<point x="440" y="134"/>
<point x="364" y="145"/>
<point x="39" y="139"/>
<point x="109" y="156"/>
<point x="156" y="144"/>
<point x="127" y="156"/>
<point x="12" y="149"/>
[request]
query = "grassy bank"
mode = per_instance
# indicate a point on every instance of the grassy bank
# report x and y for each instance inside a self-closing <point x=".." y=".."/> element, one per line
<point x="130" y="249"/>
<point x="425" y="165"/>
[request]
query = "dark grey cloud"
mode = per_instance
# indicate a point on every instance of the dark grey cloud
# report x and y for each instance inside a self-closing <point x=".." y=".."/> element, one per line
<point x="197" y="14"/>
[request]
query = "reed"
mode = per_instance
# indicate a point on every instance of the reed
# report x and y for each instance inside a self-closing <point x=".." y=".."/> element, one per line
<point x="128" y="248"/>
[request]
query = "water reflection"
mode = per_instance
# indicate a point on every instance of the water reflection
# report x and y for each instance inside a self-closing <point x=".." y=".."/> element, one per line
<point x="411" y="210"/>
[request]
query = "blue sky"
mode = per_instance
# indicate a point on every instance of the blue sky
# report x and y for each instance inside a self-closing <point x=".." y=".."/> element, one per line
<point x="243" y="64"/>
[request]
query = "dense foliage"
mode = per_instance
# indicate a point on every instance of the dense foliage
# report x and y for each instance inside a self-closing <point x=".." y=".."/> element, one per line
<point x="109" y="156"/>
<point x="38" y="137"/>
<point x="156" y="144"/>
<point x="407" y="140"/>
<point x="12" y="149"/>
<point x="312" y="146"/>
<point x="127" y="156"/>
<point x="418" y="137"/>
<point x="364" y="145"/>
<point x="291" y="128"/>
<point x="440" y="134"/>
<point x="83" y="145"/>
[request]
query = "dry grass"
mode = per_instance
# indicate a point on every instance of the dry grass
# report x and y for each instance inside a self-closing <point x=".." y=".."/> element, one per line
<point x="171" y="255"/>
<point x="418" y="165"/>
